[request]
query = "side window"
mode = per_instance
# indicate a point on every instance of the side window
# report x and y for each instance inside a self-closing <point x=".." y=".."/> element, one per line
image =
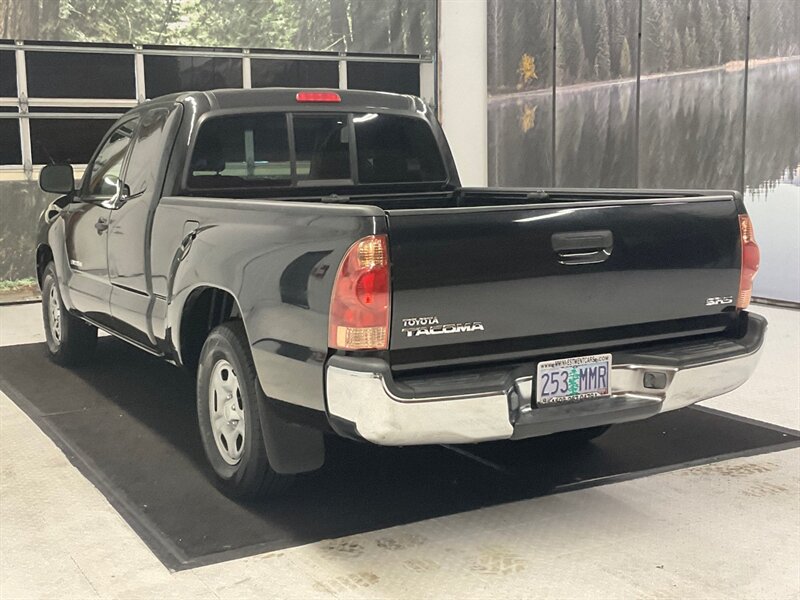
<point x="104" y="171"/>
<point x="148" y="147"/>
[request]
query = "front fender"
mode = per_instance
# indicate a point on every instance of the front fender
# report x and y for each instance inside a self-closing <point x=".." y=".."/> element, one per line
<point x="51" y="233"/>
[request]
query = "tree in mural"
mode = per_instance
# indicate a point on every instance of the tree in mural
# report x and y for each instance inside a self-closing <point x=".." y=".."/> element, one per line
<point x="526" y="29"/>
<point x="266" y="23"/>
<point x="602" y="59"/>
<point x="625" y="65"/>
<point x="527" y="70"/>
<point x="571" y="62"/>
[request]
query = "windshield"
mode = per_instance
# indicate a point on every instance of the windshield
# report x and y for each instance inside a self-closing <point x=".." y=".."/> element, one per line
<point x="252" y="151"/>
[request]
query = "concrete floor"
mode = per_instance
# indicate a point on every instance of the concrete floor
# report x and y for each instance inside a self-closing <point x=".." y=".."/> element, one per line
<point x="724" y="530"/>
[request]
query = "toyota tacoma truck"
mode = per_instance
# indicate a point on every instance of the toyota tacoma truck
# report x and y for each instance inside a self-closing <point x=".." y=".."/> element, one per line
<point x="312" y="256"/>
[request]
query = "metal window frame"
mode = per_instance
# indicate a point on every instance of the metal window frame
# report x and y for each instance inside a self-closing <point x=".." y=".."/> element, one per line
<point x="117" y="106"/>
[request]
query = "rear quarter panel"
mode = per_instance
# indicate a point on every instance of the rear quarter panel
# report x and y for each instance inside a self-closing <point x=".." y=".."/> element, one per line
<point x="278" y="259"/>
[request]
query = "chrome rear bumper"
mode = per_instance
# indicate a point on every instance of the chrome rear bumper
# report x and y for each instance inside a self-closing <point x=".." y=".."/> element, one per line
<point x="364" y="400"/>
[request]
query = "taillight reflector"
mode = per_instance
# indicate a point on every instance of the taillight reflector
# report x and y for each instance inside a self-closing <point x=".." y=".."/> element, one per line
<point x="318" y="97"/>
<point x="751" y="256"/>
<point x="359" y="314"/>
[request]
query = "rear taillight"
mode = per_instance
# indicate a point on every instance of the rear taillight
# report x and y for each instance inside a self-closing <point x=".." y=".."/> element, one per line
<point x="359" y="316"/>
<point x="751" y="256"/>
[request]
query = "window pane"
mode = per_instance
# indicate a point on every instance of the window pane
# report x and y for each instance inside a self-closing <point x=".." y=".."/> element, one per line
<point x="169" y="74"/>
<point x="396" y="149"/>
<point x="10" y="151"/>
<point x="322" y="147"/>
<point x="294" y="73"/>
<point x="80" y="75"/>
<point x="66" y="140"/>
<point x="105" y="170"/>
<point x="244" y="151"/>
<point x="148" y="149"/>
<point x="401" y="78"/>
<point x="8" y="75"/>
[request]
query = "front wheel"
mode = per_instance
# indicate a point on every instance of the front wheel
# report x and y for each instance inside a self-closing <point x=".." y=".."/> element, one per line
<point x="70" y="341"/>
<point x="229" y="417"/>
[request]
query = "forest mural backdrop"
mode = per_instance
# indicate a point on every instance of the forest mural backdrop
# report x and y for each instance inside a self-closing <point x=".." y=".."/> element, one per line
<point x="385" y="26"/>
<point x="580" y="117"/>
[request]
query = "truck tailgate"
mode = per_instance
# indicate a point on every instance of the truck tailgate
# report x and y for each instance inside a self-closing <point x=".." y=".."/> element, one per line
<point x="487" y="276"/>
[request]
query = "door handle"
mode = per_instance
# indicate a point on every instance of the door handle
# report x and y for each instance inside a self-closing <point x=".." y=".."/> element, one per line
<point x="101" y="225"/>
<point x="583" y="247"/>
<point x="189" y="233"/>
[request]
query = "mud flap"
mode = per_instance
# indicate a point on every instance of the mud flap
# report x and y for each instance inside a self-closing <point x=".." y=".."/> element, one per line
<point x="291" y="448"/>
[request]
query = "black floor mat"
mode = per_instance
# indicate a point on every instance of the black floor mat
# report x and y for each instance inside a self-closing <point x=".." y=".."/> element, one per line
<point x="127" y="422"/>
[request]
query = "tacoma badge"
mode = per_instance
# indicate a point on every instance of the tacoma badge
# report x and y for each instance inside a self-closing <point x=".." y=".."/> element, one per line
<point x="430" y="326"/>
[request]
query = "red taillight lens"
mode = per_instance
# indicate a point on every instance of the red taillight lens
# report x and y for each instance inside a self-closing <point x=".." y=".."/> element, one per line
<point x="359" y="316"/>
<point x="318" y="97"/>
<point x="751" y="256"/>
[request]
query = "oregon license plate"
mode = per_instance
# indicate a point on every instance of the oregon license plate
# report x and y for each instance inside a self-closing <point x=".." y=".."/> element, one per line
<point x="569" y="380"/>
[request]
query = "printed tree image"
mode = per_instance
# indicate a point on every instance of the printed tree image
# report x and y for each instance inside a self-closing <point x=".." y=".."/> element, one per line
<point x="527" y="71"/>
<point x="384" y="26"/>
<point x="625" y="67"/>
<point x="602" y="60"/>
<point x="596" y="40"/>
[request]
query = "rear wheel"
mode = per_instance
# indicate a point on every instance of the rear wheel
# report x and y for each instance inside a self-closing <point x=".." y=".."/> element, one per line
<point x="70" y="341"/>
<point x="229" y="417"/>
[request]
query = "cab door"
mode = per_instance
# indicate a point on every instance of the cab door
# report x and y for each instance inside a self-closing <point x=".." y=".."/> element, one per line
<point x="130" y="222"/>
<point x="86" y="225"/>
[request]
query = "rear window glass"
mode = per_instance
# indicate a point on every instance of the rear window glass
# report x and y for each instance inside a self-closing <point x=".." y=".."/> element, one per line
<point x="242" y="151"/>
<point x="395" y="149"/>
<point x="322" y="147"/>
<point x="246" y="151"/>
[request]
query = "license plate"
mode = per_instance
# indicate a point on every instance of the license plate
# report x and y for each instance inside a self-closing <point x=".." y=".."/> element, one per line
<point x="569" y="380"/>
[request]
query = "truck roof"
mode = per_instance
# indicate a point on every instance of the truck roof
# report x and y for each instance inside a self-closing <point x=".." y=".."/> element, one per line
<point x="233" y="98"/>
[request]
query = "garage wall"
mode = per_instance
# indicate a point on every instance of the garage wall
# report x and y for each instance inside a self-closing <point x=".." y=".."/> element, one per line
<point x="462" y="85"/>
<point x="711" y="99"/>
<point x="83" y="63"/>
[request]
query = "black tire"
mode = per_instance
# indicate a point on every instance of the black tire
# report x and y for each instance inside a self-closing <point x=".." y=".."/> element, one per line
<point x="580" y="436"/>
<point x="70" y="341"/>
<point x="247" y="476"/>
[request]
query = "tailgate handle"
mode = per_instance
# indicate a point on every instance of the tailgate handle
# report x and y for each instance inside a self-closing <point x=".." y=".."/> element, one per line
<point x="583" y="247"/>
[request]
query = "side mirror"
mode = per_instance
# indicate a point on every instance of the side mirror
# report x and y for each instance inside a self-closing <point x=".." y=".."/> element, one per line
<point x="57" y="178"/>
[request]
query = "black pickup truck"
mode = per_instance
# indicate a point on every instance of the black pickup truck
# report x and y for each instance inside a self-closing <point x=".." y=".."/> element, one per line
<point x="313" y="257"/>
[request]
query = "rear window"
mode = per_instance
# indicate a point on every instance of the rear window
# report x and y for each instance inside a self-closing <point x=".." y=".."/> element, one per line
<point x="241" y="151"/>
<point x="322" y="148"/>
<point x="395" y="149"/>
<point x="247" y="151"/>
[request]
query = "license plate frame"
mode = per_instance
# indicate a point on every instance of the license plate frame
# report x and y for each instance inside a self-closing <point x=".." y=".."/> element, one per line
<point x="575" y="377"/>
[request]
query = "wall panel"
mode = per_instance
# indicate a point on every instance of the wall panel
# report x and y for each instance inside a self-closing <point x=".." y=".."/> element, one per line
<point x="520" y="103"/>
<point x="596" y="46"/>
<point x="692" y="93"/>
